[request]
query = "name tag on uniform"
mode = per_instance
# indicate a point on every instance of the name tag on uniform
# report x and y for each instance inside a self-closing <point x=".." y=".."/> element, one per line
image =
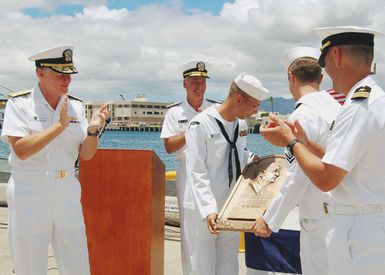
<point x="72" y="119"/>
<point x="36" y="118"/>
<point x="183" y="121"/>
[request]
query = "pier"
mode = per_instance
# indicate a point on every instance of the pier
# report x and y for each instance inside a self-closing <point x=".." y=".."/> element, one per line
<point x="158" y="128"/>
<point x="135" y="128"/>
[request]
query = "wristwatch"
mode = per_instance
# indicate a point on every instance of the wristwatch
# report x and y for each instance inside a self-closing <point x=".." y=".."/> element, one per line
<point x="95" y="134"/>
<point x="291" y="144"/>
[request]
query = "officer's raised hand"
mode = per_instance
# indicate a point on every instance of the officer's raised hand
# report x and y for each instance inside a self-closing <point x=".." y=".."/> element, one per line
<point x="99" y="118"/>
<point x="64" y="122"/>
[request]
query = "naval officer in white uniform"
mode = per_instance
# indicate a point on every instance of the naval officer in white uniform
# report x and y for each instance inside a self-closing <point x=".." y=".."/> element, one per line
<point x="175" y="123"/>
<point x="216" y="155"/>
<point x="315" y="111"/>
<point x="352" y="168"/>
<point x="47" y="130"/>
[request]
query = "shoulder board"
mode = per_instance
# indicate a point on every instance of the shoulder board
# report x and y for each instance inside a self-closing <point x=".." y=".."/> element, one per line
<point x="74" y="98"/>
<point x="361" y="93"/>
<point x="174" y="104"/>
<point x="20" y="93"/>
<point x="214" y="101"/>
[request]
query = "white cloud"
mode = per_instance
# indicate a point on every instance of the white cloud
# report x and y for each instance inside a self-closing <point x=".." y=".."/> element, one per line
<point x="120" y="51"/>
<point x="239" y="10"/>
<point x="101" y="13"/>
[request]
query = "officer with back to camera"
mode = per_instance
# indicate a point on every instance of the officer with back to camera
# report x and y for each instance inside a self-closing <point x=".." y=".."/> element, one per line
<point x="315" y="110"/>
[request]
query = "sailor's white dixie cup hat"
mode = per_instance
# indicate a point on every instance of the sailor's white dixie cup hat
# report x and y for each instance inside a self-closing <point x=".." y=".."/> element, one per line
<point x="251" y="86"/>
<point x="293" y="54"/>
<point x="344" y="35"/>
<point x="59" y="59"/>
<point x="195" y="68"/>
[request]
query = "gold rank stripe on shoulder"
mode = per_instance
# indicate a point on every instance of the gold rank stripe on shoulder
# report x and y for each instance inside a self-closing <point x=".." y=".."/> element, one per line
<point x="74" y="98"/>
<point x="173" y="104"/>
<point x="361" y="93"/>
<point x="20" y="93"/>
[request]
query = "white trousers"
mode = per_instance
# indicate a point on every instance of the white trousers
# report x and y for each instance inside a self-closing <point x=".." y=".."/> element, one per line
<point x="356" y="244"/>
<point x="211" y="254"/>
<point x="180" y="184"/>
<point x="44" y="210"/>
<point x="314" y="258"/>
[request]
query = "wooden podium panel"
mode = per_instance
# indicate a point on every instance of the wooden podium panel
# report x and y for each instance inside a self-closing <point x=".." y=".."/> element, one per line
<point x="123" y="196"/>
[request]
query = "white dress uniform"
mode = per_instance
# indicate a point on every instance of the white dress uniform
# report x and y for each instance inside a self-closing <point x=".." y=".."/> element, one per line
<point x="43" y="192"/>
<point x="316" y="112"/>
<point x="208" y="188"/>
<point x="176" y="121"/>
<point x="356" y="235"/>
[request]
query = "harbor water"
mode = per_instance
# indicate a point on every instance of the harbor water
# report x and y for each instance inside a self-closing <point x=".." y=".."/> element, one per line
<point x="152" y="141"/>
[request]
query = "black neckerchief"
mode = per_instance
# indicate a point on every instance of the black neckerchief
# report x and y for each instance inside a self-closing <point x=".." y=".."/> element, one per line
<point x="232" y="147"/>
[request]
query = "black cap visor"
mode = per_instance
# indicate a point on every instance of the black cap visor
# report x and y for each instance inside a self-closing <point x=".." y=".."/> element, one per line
<point x="321" y="59"/>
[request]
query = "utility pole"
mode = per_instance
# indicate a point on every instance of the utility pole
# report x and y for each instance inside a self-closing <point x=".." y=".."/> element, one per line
<point x="271" y="100"/>
<point x="122" y="97"/>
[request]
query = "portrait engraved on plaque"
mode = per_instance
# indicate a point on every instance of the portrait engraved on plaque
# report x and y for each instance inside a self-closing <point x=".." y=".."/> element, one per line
<point x="259" y="183"/>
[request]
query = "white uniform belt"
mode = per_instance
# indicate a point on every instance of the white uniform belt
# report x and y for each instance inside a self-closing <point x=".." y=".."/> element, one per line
<point x="353" y="210"/>
<point x="56" y="174"/>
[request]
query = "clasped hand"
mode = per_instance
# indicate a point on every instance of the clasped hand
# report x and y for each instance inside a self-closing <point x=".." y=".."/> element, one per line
<point x="280" y="132"/>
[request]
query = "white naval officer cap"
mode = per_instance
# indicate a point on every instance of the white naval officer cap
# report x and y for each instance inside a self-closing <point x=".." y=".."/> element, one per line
<point x="59" y="59"/>
<point x="292" y="55"/>
<point x="344" y="35"/>
<point x="251" y="86"/>
<point x="195" y="68"/>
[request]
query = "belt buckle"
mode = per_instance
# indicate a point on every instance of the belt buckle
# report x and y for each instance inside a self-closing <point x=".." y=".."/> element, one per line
<point x="61" y="174"/>
<point x="325" y="207"/>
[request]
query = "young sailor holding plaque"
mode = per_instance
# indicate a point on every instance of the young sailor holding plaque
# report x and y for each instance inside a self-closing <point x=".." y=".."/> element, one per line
<point x="315" y="111"/>
<point x="216" y="155"/>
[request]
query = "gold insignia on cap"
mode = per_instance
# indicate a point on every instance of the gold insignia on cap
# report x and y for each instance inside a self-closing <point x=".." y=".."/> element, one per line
<point x="201" y="66"/>
<point x="361" y="93"/>
<point x="325" y="45"/>
<point x="67" y="54"/>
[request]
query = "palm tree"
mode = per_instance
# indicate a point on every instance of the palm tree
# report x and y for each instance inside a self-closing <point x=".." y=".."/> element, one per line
<point x="271" y="101"/>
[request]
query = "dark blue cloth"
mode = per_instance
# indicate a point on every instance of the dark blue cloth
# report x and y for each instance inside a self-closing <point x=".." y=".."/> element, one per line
<point x="278" y="253"/>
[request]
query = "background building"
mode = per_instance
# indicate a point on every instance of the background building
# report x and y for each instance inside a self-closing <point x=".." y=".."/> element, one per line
<point x="138" y="111"/>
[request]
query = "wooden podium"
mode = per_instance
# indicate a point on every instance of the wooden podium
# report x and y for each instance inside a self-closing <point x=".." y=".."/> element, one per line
<point x="123" y="198"/>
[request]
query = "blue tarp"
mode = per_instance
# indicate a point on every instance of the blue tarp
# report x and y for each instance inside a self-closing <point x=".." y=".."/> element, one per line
<point x="278" y="253"/>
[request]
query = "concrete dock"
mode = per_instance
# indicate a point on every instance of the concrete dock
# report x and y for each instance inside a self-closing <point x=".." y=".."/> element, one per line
<point x="172" y="265"/>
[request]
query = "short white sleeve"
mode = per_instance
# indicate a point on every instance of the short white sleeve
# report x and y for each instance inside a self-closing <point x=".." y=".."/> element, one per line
<point x="15" y="122"/>
<point x="349" y="139"/>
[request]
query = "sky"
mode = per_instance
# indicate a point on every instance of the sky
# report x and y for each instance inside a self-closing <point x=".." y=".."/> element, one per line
<point x="134" y="47"/>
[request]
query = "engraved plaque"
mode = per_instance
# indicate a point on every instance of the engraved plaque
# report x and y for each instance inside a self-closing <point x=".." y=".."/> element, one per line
<point x="255" y="188"/>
